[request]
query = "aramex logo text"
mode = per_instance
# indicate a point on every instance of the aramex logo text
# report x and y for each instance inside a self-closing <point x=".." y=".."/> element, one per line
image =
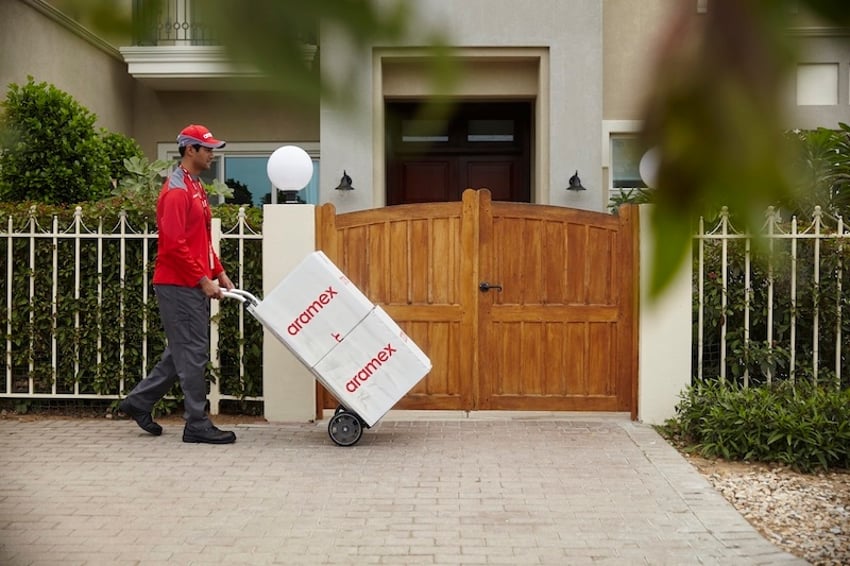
<point x="311" y="311"/>
<point x="370" y="368"/>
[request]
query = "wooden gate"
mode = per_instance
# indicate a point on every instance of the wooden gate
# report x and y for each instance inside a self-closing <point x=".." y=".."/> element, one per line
<point x="519" y="306"/>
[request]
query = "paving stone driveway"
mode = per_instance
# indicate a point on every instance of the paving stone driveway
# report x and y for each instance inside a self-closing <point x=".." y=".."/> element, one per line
<point x="445" y="489"/>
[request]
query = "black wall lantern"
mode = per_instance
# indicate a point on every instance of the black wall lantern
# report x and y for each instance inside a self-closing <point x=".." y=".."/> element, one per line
<point x="344" y="183"/>
<point x="575" y="183"/>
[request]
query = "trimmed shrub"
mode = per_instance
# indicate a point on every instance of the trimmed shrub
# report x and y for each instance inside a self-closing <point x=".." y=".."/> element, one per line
<point x="119" y="147"/>
<point x="52" y="152"/>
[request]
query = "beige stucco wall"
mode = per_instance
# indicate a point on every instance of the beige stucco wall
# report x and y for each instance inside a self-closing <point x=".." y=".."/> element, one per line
<point x="632" y="31"/>
<point x="231" y="115"/>
<point x="36" y="41"/>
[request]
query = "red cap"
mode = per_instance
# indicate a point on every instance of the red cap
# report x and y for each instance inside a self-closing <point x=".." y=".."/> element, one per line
<point x="197" y="134"/>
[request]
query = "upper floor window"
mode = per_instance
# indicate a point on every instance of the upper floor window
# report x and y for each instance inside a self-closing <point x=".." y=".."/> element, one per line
<point x="490" y="130"/>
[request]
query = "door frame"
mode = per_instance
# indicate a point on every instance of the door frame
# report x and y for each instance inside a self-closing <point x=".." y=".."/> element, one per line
<point x="402" y="73"/>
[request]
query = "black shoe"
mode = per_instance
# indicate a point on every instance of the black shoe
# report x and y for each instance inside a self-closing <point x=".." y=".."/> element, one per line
<point x="142" y="418"/>
<point x="209" y="435"/>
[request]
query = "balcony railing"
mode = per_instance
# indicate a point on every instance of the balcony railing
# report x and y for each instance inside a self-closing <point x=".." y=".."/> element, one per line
<point x="179" y="22"/>
<point x="172" y="22"/>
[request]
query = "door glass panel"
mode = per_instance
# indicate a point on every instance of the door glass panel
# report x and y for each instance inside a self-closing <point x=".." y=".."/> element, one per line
<point x="424" y="131"/>
<point x="490" y="131"/>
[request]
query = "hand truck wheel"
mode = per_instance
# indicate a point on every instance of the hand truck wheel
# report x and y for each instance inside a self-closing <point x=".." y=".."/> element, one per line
<point x="345" y="428"/>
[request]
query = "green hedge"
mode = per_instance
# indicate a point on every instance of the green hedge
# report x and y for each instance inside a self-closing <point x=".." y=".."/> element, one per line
<point x="105" y="314"/>
<point x="800" y="425"/>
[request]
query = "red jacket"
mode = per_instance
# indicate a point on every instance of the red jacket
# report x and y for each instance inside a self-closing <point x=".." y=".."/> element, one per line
<point x="184" y="250"/>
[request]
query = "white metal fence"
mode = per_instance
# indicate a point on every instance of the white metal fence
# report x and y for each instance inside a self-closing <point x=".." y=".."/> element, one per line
<point x="771" y="305"/>
<point x="766" y="307"/>
<point x="118" y="256"/>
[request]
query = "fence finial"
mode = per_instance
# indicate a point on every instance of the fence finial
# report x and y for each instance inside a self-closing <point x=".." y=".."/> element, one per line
<point x="770" y="218"/>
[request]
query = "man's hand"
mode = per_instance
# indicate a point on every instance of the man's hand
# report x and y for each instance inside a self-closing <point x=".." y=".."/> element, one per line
<point x="224" y="281"/>
<point x="210" y="288"/>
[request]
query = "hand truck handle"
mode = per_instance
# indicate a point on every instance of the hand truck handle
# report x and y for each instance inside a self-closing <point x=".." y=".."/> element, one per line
<point x="241" y="296"/>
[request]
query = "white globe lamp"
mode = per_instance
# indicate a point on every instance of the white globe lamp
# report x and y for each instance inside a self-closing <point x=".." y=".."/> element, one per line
<point x="290" y="168"/>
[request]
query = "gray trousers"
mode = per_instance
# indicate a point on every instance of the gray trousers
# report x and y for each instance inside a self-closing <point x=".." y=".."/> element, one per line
<point x="185" y="314"/>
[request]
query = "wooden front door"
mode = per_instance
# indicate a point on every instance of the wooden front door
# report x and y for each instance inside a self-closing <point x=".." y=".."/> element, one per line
<point x="519" y="306"/>
<point x="481" y="145"/>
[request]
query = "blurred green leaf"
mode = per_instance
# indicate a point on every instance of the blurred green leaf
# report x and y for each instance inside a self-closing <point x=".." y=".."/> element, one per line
<point x="714" y="115"/>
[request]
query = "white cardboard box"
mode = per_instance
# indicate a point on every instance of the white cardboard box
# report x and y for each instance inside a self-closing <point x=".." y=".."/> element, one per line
<point x="313" y="308"/>
<point x="373" y="367"/>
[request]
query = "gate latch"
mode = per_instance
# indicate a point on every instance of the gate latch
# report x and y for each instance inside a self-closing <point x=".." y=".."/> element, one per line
<point x="484" y="286"/>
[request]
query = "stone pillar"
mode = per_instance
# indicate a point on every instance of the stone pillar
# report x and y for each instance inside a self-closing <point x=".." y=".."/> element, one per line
<point x="289" y="388"/>
<point x="665" y="334"/>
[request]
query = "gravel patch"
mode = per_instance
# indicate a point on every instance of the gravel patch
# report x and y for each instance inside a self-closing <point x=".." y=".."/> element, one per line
<point x="807" y="515"/>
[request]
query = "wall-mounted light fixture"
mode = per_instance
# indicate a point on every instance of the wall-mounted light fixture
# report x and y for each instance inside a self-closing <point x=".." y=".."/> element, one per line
<point x="344" y="183"/>
<point x="575" y="183"/>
